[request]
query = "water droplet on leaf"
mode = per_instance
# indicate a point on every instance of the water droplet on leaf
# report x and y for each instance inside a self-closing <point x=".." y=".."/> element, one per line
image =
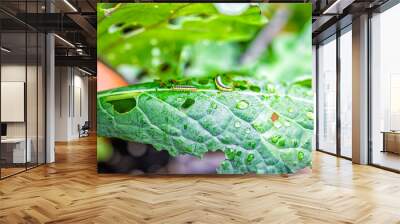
<point x="155" y="61"/>
<point x="128" y="46"/>
<point x="270" y="88"/>
<point x="237" y="124"/>
<point x="277" y="125"/>
<point x="265" y="97"/>
<point x="225" y="164"/>
<point x="242" y="105"/>
<point x="310" y="115"/>
<point x="275" y="138"/>
<point x="251" y="144"/>
<point x="281" y="142"/>
<point x="153" y="41"/>
<point x="261" y="126"/>
<point x="300" y="155"/>
<point x="230" y="154"/>
<point x="155" y="52"/>
<point x="249" y="158"/>
<point x="295" y="143"/>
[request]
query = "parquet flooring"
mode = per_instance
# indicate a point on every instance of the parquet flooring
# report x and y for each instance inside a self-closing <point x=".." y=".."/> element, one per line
<point x="71" y="191"/>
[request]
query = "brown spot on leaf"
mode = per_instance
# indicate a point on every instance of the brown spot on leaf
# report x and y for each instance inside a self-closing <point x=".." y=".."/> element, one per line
<point x="274" y="117"/>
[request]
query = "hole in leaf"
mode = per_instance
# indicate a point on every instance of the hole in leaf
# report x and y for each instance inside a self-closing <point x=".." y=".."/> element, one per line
<point x="188" y="102"/>
<point x="120" y="24"/>
<point x="187" y="64"/>
<point x="142" y="74"/>
<point x="115" y="27"/>
<point x="164" y="67"/>
<point x="132" y="29"/>
<point x="174" y="21"/>
<point x="203" y="15"/>
<point x="123" y="106"/>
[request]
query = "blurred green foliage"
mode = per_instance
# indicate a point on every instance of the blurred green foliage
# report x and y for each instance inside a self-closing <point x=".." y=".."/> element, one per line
<point x="146" y="41"/>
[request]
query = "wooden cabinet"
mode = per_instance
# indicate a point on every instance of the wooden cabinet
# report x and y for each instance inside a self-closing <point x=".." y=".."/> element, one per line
<point x="391" y="142"/>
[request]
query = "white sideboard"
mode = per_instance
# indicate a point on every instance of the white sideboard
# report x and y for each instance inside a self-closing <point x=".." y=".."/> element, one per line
<point x="18" y="145"/>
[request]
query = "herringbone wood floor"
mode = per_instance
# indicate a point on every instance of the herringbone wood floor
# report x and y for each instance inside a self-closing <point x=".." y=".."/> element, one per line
<point x="71" y="191"/>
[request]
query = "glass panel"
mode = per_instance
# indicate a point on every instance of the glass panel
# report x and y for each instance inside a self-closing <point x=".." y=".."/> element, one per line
<point x="385" y="84"/>
<point x="346" y="94"/>
<point x="23" y="89"/>
<point x="327" y="96"/>
<point x="41" y="99"/>
<point x="13" y="86"/>
<point x="314" y="79"/>
<point x="32" y="88"/>
<point x="31" y="99"/>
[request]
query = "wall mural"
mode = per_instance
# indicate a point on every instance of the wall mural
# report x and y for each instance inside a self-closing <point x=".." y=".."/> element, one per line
<point x="204" y="88"/>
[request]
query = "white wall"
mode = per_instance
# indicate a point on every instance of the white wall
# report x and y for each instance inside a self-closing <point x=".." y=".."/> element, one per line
<point x="12" y="73"/>
<point x="71" y="94"/>
<point x="62" y="82"/>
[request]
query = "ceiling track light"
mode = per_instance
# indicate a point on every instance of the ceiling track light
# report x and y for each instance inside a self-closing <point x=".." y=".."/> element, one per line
<point x="327" y="11"/>
<point x="70" y="5"/>
<point x="84" y="71"/>
<point x="5" y="50"/>
<point x="65" y="41"/>
<point x="337" y="7"/>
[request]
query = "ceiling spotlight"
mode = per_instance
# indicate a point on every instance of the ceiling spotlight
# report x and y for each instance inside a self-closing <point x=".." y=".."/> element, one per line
<point x="70" y="5"/>
<point x="84" y="71"/>
<point x="5" y="50"/>
<point x="65" y="41"/>
<point x="337" y="7"/>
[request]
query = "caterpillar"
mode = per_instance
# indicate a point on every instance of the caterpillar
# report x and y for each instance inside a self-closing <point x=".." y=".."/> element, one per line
<point x="184" y="88"/>
<point x="221" y="86"/>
